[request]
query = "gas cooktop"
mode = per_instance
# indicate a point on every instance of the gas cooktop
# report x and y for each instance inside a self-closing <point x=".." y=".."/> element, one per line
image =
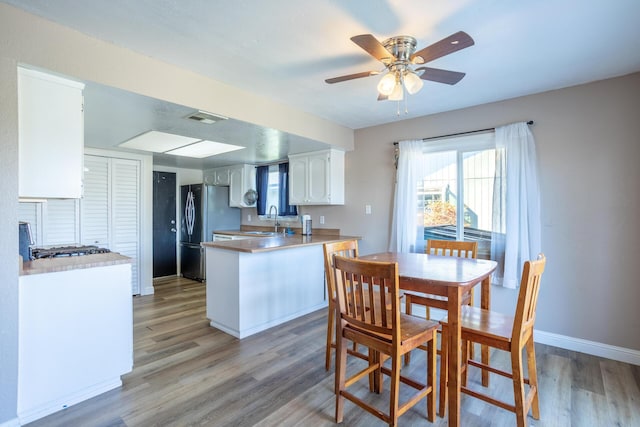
<point x="65" y="251"/>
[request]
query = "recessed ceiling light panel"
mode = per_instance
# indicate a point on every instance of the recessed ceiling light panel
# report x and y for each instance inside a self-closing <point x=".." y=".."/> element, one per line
<point x="203" y="149"/>
<point x="158" y="142"/>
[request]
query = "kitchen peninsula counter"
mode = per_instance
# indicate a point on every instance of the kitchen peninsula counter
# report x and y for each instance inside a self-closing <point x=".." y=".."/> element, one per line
<point x="52" y="265"/>
<point x="277" y="242"/>
<point x="258" y="283"/>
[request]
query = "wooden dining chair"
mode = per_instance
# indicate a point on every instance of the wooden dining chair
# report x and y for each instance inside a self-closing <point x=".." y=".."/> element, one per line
<point x="388" y="333"/>
<point x="445" y="248"/>
<point x="348" y="248"/>
<point x="507" y="333"/>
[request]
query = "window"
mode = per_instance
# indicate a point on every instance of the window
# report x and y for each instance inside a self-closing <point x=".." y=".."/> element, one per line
<point x="273" y="187"/>
<point x="273" y="190"/>
<point x="456" y="193"/>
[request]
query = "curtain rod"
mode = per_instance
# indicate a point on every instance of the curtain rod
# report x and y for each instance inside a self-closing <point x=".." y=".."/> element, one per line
<point x="530" y="122"/>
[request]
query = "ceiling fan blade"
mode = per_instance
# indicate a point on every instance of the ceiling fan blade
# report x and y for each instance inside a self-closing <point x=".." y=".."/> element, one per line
<point x="382" y="97"/>
<point x="351" y="76"/>
<point x="453" y="43"/>
<point x="373" y="47"/>
<point x="440" y="76"/>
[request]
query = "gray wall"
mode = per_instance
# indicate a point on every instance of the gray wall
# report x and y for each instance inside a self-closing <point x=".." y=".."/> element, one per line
<point x="588" y="148"/>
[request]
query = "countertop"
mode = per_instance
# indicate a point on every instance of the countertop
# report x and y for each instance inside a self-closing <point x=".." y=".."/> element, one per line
<point x="52" y="265"/>
<point x="278" y="242"/>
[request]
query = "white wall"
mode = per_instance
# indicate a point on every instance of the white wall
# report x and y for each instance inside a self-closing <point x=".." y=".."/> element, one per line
<point x="588" y="149"/>
<point x="8" y="240"/>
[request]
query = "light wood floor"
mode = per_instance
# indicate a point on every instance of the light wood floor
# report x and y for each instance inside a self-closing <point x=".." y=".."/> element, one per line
<point x="189" y="374"/>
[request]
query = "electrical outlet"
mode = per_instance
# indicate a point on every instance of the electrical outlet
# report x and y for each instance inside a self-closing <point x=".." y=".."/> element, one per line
<point x="321" y="219"/>
<point x="367" y="209"/>
<point x="248" y="217"/>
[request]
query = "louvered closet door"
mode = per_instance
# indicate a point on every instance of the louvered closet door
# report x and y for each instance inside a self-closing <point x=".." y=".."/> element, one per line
<point x="110" y="208"/>
<point x="125" y="198"/>
<point x="94" y="223"/>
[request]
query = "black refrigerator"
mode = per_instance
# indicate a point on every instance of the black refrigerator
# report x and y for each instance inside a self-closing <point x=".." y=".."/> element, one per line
<point x="204" y="208"/>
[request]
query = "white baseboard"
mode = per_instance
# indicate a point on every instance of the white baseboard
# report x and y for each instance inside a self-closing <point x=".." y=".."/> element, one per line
<point x="10" y="423"/>
<point x="593" y="348"/>
<point x="147" y="290"/>
<point x="35" y="413"/>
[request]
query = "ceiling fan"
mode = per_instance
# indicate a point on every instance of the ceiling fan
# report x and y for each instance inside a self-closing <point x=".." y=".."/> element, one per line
<point x="399" y="56"/>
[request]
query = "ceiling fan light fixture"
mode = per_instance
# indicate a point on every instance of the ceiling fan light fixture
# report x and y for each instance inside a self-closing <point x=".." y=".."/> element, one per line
<point x="412" y="82"/>
<point x="387" y="84"/>
<point x="397" y="94"/>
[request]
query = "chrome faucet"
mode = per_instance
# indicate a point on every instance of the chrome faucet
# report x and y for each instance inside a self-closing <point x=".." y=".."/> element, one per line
<point x="275" y="218"/>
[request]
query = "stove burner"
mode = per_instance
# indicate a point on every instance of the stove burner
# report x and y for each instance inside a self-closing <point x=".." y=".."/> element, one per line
<point x="65" y="251"/>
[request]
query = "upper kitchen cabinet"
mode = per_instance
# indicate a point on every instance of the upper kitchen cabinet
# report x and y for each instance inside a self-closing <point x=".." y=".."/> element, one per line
<point x="217" y="176"/>
<point x="316" y="178"/>
<point x="242" y="178"/>
<point x="51" y="135"/>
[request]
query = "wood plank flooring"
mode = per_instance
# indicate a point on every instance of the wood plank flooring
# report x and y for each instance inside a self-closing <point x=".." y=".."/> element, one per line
<point x="187" y="373"/>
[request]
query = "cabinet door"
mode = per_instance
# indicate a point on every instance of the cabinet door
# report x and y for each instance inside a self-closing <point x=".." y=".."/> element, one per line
<point x="318" y="179"/>
<point x="236" y="184"/>
<point x="222" y="176"/>
<point x="51" y="129"/>
<point x="297" y="180"/>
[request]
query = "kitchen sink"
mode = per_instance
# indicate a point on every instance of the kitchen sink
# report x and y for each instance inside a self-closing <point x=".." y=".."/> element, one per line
<point x="260" y="233"/>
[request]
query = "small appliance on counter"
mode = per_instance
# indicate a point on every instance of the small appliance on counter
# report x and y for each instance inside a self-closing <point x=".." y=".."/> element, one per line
<point x="306" y="225"/>
<point x="26" y="240"/>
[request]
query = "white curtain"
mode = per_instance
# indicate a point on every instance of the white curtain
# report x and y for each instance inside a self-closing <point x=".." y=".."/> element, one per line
<point x="516" y="203"/>
<point x="407" y="229"/>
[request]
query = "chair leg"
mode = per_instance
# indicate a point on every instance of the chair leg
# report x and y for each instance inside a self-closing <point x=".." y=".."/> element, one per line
<point x="395" y="390"/>
<point x="533" y="378"/>
<point x="443" y="373"/>
<point x="330" y="333"/>
<point x="407" y="309"/>
<point x="518" y="386"/>
<point x="465" y="361"/>
<point x="431" y="378"/>
<point x="341" y="365"/>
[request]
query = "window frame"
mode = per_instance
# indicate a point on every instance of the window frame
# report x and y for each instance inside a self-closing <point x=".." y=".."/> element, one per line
<point x="461" y="144"/>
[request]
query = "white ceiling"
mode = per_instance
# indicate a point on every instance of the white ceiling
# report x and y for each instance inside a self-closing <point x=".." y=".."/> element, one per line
<point x="285" y="49"/>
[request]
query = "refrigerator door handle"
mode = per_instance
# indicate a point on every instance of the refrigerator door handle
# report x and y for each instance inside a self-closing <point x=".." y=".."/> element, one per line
<point x="190" y="213"/>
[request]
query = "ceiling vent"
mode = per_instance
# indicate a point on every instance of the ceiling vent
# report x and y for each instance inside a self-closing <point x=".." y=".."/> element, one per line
<point x="204" y="117"/>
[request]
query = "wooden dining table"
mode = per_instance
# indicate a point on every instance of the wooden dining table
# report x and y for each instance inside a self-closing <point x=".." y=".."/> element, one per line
<point x="450" y="277"/>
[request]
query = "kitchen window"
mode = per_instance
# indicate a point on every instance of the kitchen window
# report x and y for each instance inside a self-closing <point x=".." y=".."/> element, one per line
<point x="272" y="183"/>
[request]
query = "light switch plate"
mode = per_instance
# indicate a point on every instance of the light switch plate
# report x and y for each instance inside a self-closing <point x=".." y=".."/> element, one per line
<point x="367" y="209"/>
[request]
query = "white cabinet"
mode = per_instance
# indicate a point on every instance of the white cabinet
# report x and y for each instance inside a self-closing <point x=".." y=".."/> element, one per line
<point x="242" y="178"/>
<point x="217" y="176"/>
<point x="316" y="178"/>
<point x="51" y="134"/>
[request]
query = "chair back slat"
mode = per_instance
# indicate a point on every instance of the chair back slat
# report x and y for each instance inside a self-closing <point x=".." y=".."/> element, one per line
<point x="348" y="248"/>
<point x="367" y="295"/>
<point x="525" y="315"/>
<point x="454" y="248"/>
